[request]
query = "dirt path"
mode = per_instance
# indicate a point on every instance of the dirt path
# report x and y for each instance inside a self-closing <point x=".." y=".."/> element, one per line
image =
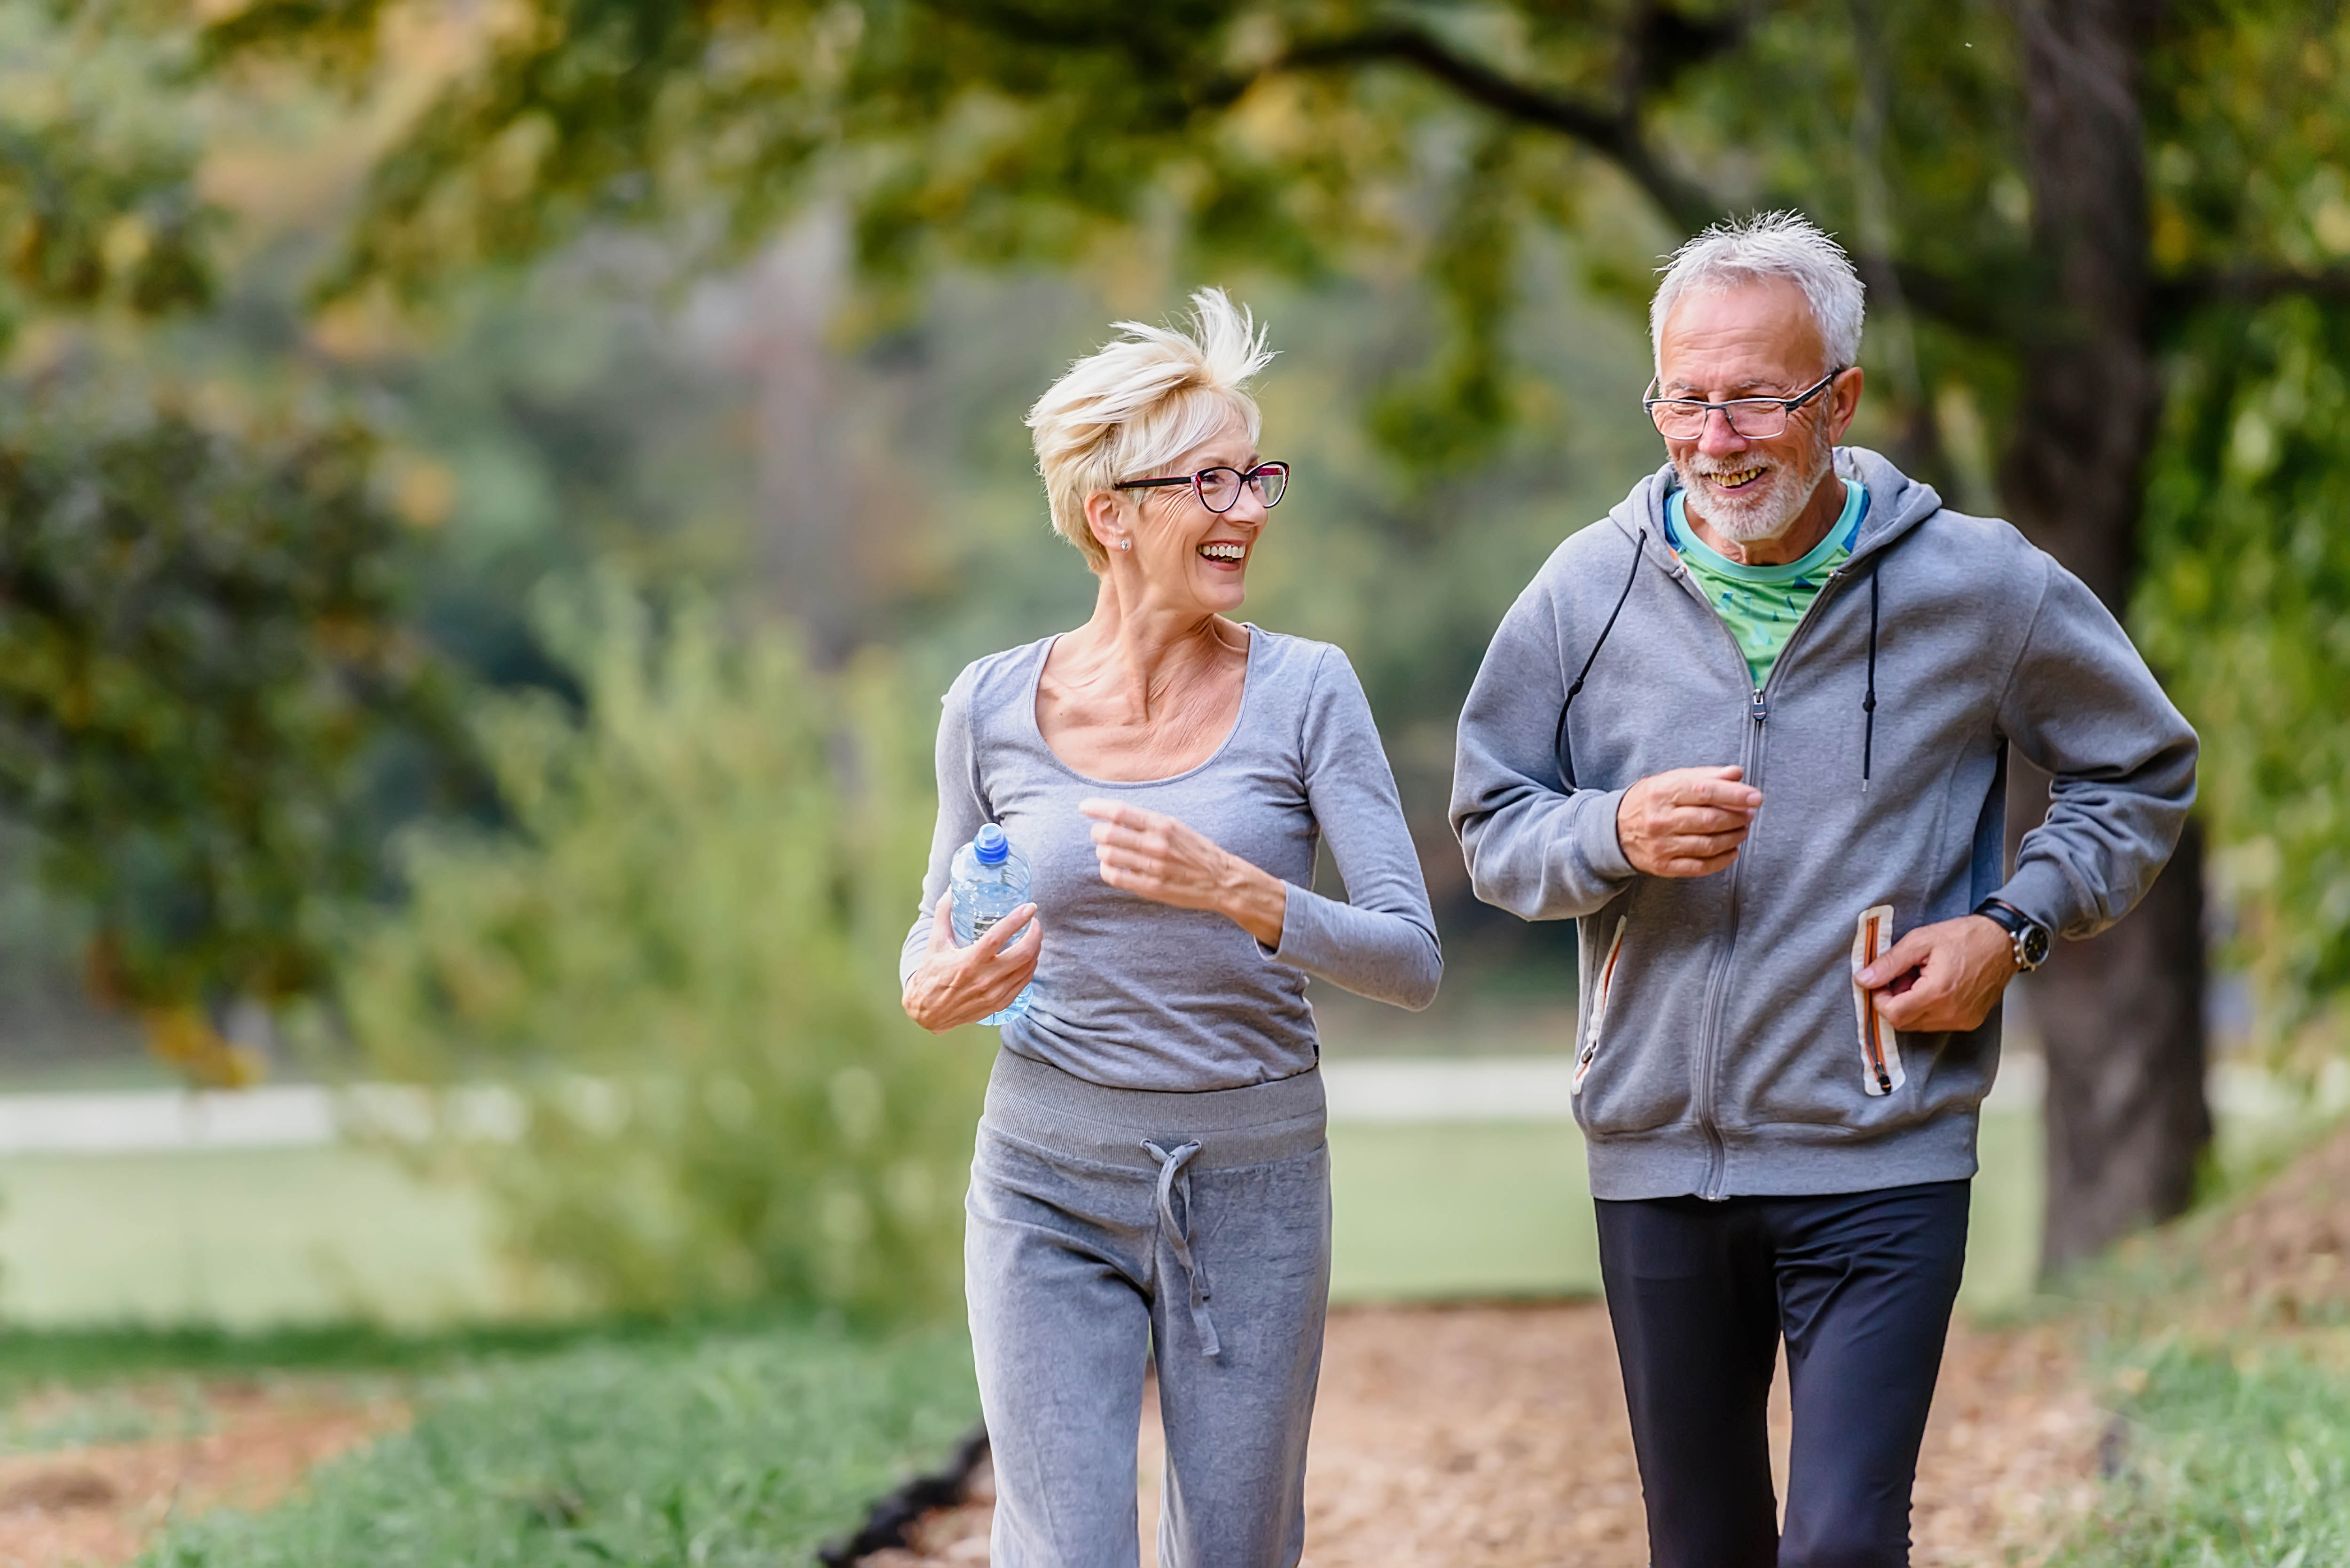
<point x="234" y="1445"/>
<point x="1495" y="1438"/>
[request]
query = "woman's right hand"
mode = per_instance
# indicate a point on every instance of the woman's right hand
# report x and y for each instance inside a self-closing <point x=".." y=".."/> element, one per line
<point x="955" y="986"/>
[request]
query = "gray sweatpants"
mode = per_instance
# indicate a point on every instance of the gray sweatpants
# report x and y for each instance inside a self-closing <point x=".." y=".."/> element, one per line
<point x="1109" y="1224"/>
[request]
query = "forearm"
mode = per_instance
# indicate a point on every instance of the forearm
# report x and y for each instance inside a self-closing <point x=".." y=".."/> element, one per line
<point x="1532" y="847"/>
<point x="961" y="813"/>
<point x="1254" y="900"/>
<point x="1382" y="944"/>
<point x="2083" y="706"/>
<point x="2100" y="846"/>
<point x="1545" y="855"/>
<point x="1386" y="955"/>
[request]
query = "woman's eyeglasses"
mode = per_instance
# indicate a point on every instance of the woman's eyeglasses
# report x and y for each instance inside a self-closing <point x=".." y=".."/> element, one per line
<point x="1218" y="489"/>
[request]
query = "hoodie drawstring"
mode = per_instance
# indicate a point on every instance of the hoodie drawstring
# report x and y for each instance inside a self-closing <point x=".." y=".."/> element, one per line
<point x="1563" y="751"/>
<point x="1868" y="703"/>
<point x="1559" y="746"/>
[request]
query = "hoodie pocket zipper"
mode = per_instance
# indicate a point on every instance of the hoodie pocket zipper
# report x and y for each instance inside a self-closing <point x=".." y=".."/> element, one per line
<point x="1880" y="1045"/>
<point x="1596" y="1015"/>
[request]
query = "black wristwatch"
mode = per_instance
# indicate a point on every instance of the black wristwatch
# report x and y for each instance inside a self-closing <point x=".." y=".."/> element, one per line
<point x="2031" y="938"/>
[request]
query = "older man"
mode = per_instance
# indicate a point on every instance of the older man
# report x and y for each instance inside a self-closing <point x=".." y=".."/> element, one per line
<point x="1752" y="732"/>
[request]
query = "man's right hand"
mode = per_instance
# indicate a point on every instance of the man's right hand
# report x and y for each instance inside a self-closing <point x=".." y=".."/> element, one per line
<point x="1686" y="823"/>
<point x="955" y="986"/>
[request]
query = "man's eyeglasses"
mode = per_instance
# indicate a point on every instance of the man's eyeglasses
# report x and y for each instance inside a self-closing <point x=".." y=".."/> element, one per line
<point x="1218" y="489"/>
<point x="1756" y="419"/>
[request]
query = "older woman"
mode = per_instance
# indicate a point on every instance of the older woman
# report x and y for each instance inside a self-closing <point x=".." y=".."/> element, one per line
<point x="1151" y="1176"/>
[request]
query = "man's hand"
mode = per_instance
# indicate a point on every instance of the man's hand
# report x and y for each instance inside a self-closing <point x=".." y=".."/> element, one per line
<point x="1686" y="823"/>
<point x="956" y="986"/>
<point x="1941" y="977"/>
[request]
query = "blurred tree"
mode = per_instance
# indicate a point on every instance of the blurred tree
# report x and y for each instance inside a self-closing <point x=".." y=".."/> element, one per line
<point x="682" y="958"/>
<point x="1989" y="160"/>
<point x="97" y="206"/>
<point x="2246" y="596"/>
<point x="200" y="639"/>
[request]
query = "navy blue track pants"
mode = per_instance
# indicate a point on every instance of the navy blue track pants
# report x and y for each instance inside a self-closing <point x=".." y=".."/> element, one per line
<point x="1861" y="1285"/>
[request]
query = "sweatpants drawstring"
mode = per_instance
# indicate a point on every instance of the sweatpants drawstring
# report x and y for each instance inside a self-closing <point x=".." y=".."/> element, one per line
<point x="1179" y="1236"/>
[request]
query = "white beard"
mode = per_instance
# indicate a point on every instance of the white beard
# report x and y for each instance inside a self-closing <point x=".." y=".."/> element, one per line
<point x="1767" y="508"/>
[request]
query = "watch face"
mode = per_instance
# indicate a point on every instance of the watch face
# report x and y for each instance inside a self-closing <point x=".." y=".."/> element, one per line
<point x="2034" y="941"/>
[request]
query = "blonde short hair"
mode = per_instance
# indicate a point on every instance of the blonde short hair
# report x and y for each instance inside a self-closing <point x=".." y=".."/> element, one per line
<point x="1141" y="402"/>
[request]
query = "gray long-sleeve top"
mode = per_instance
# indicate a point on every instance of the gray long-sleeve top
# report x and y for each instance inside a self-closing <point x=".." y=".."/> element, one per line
<point x="1138" y="995"/>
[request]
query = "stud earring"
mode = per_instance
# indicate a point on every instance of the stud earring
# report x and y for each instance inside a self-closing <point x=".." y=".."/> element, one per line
<point x="1125" y="543"/>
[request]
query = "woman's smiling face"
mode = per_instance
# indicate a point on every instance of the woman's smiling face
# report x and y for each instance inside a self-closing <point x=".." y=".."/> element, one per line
<point x="1184" y="554"/>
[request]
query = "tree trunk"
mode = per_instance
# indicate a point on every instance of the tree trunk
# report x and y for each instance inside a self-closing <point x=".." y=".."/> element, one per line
<point x="2121" y="1016"/>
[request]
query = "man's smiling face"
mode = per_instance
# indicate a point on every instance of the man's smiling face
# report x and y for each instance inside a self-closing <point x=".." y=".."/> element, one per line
<point x="1759" y="340"/>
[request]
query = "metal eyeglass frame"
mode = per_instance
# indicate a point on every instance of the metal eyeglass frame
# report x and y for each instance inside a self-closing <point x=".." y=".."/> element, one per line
<point x="1733" y="407"/>
<point x="1240" y="480"/>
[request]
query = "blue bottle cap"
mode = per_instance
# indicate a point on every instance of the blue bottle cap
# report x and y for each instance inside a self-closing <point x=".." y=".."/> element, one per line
<point x="991" y="846"/>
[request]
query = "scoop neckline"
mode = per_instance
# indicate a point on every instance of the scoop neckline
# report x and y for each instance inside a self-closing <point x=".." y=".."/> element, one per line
<point x="1240" y="718"/>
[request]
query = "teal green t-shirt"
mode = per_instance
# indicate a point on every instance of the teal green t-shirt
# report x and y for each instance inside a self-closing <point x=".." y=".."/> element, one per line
<point x="1761" y="605"/>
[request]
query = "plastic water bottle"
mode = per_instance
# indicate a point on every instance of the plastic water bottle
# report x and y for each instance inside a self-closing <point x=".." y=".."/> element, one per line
<point x="990" y="879"/>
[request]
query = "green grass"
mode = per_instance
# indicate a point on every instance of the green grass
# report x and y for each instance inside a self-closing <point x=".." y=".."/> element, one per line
<point x="2226" y="1459"/>
<point x="257" y="1239"/>
<point x="1441" y="1208"/>
<point x="37" y="1358"/>
<point x="1435" y="1210"/>
<point x="724" y="1449"/>
<point x="243" y="1237"/>
<point x="750" y="1440"/>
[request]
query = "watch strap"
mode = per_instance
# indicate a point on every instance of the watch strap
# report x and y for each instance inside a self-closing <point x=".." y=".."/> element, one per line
<point x="2005" y="916"/>
<point x="2021" y="928"/>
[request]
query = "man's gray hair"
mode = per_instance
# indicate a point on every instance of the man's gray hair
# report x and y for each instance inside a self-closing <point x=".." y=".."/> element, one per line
<point x="1767" y="245"/>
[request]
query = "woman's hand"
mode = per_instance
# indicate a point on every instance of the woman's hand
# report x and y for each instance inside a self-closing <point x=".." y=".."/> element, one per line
<point x="1154" y="857"/>
<point x="956" y="986"/>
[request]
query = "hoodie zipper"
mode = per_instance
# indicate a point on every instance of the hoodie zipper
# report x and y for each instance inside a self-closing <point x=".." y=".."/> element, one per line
<point x="1598" y="991"/>
<point x="1717" y="989"/>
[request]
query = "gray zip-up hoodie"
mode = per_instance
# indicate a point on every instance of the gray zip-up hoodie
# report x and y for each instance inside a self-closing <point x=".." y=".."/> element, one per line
<point x="1720" y="1043"/>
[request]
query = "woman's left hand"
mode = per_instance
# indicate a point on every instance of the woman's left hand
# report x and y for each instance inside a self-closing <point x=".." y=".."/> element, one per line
<point x="1152" y="856"/>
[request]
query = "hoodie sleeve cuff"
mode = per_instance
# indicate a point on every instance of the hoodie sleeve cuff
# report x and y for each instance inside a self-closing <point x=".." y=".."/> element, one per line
<point x="1594" y="837"/>
<point x="2041" y="891"/>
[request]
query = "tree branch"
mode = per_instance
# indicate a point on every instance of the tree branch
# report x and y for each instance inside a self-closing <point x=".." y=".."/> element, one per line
<point x="1937" y="296"/>
<point x="1613" y="133"/>
<point x="2174" y="296"/>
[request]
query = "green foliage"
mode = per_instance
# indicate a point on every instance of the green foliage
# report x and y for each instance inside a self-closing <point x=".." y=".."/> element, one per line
<point x="98" y="203"/>
<point x="2249" y="138"/>
<point x="2245" y="602"/>
<point x="200" y="603"/>
<point x="731" y="1452"/>
<point x="683" y="955"/>
<point x="1324" y="138"/>
<point x="2241" y="1459"/>
<point x="198" y="644"/>
<point x="1211" y="133"/>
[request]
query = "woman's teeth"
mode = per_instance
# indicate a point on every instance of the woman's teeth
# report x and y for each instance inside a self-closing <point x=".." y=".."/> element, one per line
<point x="1221" y="550"/>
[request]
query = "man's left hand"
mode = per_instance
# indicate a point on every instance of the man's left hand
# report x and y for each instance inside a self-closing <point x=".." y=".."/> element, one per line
<point x="1943" y="977"/>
